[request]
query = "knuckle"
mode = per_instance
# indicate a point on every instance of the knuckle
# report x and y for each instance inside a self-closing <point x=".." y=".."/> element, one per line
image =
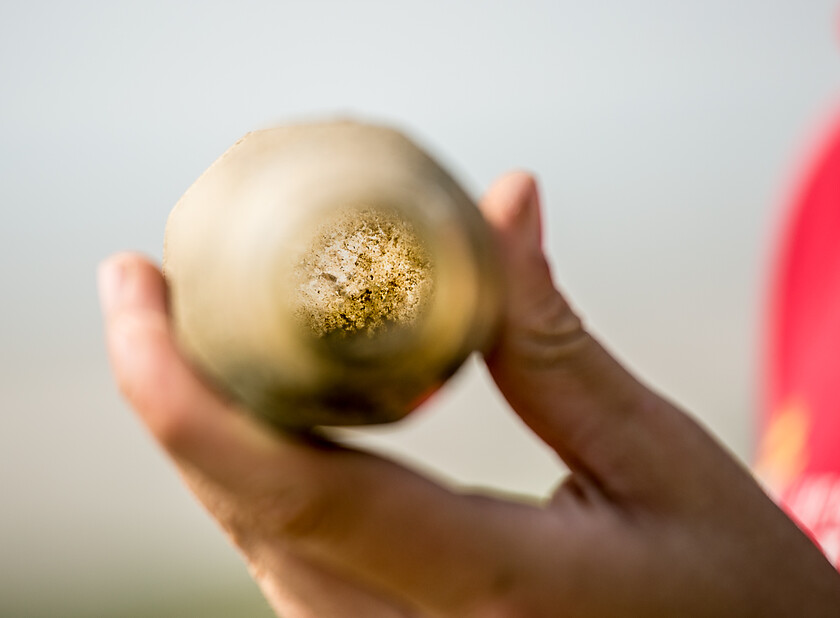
<point x="171" y="425"/>
<point x="549" y="333"/>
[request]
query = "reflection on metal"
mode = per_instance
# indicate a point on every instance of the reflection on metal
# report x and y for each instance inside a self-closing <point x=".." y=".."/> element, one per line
<point x="329" y="274"/>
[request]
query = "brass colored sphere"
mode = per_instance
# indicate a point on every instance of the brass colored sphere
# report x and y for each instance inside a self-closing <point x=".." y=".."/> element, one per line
<point x="329" y="274"/>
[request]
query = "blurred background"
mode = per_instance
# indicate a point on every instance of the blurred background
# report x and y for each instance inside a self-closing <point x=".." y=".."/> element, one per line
<point x="665" y="136"/>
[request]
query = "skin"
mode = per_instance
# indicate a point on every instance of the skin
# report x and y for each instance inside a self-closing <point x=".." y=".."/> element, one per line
<point x="655" y="519"/>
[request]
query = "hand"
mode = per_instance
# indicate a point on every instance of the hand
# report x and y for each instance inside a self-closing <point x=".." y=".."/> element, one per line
<point x="655" y="518"/>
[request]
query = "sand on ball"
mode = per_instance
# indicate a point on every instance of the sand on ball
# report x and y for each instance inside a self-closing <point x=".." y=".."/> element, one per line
<point x="365" y="271"/>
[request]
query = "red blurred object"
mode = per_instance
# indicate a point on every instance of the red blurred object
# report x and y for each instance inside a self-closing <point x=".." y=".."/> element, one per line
<point x="799" y="456"/>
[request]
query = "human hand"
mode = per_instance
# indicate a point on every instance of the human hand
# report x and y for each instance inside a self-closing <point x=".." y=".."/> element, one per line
<point x="655" y="518"/>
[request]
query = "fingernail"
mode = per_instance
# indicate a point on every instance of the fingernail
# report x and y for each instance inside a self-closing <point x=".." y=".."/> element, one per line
<point x="111" y="279"/>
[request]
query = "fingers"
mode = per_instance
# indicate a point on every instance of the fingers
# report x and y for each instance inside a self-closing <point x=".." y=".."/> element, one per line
<point x="564" y="385"/>
<point x="361" y="517"/>
<point x="185" y="416"/>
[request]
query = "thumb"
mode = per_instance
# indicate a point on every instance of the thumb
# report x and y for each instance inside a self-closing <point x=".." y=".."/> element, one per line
<point x="598" y="418"/>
